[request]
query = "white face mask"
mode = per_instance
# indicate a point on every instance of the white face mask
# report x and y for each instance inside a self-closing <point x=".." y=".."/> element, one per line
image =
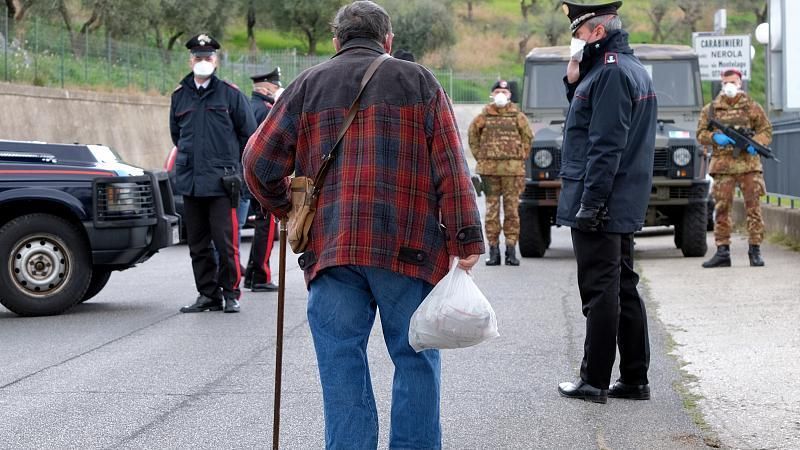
<point x="500" y="100"/>
<point x="203" y="69"/>
<point x="576" y="49"/>
<point x="730" y="90"/>
<point x="277" y="93"/>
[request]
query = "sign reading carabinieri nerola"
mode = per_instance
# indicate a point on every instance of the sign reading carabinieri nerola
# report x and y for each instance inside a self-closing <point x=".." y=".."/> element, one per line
<point x="718" y="52"/>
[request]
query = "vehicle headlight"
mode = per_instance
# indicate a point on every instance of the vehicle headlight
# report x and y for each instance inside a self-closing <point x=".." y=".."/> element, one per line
<point x="121" y="197"/>
<point x="543" y="159"/>
<point x="681" y="156"/>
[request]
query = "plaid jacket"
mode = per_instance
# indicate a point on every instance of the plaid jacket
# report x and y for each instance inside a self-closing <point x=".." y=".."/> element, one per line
<point x="398" y="196"/>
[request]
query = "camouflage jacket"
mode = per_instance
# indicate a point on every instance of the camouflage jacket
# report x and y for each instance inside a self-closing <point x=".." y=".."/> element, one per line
<point x="500" y="139"/>
<point x="744" y="113"/>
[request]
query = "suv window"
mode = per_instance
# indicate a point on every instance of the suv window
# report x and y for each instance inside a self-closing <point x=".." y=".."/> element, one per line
<point x="673" y="81"/>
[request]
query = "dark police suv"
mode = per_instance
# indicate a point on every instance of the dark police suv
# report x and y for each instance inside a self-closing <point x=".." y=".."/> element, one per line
<point x="69" y="216"/>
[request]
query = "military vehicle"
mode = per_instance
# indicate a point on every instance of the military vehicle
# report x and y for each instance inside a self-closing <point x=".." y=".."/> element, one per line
<point x="680" y="192"/>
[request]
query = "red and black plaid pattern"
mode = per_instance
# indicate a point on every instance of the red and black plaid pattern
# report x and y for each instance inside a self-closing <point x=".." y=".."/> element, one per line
<point x="398" y="196"/>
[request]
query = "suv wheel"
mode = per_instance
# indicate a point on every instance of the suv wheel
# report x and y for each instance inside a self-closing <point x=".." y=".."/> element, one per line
<point x="534" y="231"/>
<point x="47" y="265"/>
<point x="99" y="279"/>
<point x="693" y="230"/>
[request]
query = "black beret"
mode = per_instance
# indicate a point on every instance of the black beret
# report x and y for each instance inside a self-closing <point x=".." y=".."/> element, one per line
<point x="500" y="84"/>
<point x="273" y="77"/>
<point x="404" y="55"/>
<point x="578" y="13"/>
<point x="202" y="45"/>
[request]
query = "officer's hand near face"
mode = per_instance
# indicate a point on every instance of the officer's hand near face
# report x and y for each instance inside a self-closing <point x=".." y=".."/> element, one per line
<point x="573" y="71"/>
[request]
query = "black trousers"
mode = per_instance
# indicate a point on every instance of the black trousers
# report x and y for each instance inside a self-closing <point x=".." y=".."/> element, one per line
<point x="258" y="271"/>
<point x="212" y="219"/>
<point x="614" y="311"/>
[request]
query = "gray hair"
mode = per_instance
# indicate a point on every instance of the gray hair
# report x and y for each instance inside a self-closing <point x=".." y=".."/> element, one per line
<point x="614" y="22"/>
<point x="361" y="19"/>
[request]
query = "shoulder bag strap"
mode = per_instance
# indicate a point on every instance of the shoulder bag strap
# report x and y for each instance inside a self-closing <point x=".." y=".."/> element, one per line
<point x="327" y="160"/>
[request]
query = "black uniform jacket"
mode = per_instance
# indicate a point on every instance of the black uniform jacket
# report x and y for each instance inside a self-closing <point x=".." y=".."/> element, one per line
<point x="609" y="136"/>
<point x="210" y="132"/>
<point x="261" y="105"/>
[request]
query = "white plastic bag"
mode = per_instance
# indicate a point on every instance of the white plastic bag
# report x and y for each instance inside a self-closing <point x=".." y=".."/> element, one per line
<point x="455" y="314"/>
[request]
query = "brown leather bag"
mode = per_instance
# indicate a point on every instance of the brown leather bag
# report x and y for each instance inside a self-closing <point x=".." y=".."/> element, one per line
<point x="305" y="191"/>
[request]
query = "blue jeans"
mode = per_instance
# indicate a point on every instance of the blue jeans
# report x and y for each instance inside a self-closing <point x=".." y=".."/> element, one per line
<point x="341" y="311"/>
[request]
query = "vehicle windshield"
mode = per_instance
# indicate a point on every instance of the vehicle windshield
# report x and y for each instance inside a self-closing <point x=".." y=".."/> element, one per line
<point x="673" y="82"/>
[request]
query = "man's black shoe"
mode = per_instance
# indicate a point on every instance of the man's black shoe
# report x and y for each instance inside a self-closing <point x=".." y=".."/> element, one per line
<point x="203" y="303"/>
<point x="494" y="256"/>
<point x="264" y="287"/>
<point x="754" y="253"/>
<point x="511" y="256"/>
<point x="231" y="305"/>
<point x="629" y="391"/>
<point x="584" y="391"/>
<point x="722" y="258"/>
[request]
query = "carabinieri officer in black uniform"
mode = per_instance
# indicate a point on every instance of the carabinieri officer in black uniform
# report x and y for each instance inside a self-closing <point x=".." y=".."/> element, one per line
<point x="258" y="276"/>
<point x="210" y="121"/>
<point x="607" y="154"/>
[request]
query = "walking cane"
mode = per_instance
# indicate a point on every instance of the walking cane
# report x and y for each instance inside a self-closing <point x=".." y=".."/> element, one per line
<point x="276" y="414"/>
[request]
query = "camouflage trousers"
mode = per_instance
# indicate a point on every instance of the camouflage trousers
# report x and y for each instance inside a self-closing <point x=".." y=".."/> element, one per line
<point x="752" y="186"/>
<point x="507" y="188"/>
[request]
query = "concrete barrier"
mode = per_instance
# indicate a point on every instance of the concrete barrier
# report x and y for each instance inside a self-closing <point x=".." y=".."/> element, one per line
<point x="136" y="126"/>
<point x="784" y="221"/>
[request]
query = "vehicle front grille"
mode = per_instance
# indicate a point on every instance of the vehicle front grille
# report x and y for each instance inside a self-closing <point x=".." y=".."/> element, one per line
<point x="661" y="163"/>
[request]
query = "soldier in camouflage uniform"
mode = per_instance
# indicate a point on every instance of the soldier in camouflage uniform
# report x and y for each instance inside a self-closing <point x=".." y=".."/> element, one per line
<point x="735" y="108"/>
<point x="500" y="139"/>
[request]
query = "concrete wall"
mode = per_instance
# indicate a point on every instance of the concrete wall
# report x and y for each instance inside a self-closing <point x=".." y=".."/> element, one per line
<point x="776" y="220"/>
<point x="136" y="126"/>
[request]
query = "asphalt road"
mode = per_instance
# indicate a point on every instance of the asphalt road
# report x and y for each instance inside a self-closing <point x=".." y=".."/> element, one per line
<point x="126" y="370"/>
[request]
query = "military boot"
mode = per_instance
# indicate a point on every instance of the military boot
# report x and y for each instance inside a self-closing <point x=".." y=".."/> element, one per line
<point x="755" y="256"/>
<point x="494" y="256"/>
<point x="511" y="256"/>
<point x="720" y="259"/>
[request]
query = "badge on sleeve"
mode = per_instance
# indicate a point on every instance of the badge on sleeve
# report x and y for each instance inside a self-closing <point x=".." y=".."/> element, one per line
<point x="611" y="58"/>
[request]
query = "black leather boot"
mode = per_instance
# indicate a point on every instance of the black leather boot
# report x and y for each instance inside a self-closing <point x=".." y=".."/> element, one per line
<point x="202" y="304"/>
<point x="494" y="256"/>
<point x="755" y="256"/>
<point x="511" y="256"/>
<point x="720" y="259"/>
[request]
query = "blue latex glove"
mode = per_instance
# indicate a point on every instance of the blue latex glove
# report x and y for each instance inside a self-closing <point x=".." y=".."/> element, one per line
<point x="723" y="139"/>
<point x="751" y="150"/>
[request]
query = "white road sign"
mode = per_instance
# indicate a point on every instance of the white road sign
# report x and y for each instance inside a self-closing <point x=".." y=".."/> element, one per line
<point x="717" y="53"/>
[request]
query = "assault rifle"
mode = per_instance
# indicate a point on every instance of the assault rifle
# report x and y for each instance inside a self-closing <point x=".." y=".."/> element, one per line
<point x="742" y="138"/>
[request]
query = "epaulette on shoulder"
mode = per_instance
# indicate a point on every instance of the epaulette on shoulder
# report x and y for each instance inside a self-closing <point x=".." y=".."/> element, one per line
<point x="229" y="83"/>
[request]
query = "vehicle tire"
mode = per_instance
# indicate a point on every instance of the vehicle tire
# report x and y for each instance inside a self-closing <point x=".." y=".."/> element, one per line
<point x="693" y="230"/>
<point x="678" y="233"/>
<point x="99" y="279"/>
<point x="710" y="213"/>
<point x="546" y="228"/>
<point x="532" y="238"/>
<point x="47" y="265"/>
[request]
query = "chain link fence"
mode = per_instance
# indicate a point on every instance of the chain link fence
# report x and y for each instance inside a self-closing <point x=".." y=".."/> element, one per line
<point x="40" y="54"/>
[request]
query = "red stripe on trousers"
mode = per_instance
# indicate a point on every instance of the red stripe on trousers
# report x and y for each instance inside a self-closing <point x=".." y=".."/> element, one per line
<point x="235" y="223"/>
<point x="268" y="247"/>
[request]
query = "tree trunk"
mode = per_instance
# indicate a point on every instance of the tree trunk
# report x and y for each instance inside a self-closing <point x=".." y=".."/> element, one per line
<point x="251" y="24"/>
<point x="312" y="43"/>
<point x="522" y="45"/>
<point x="469" y="11"/>
<point x="761" y="16"/>
<point x="9" y="21"/>
<point x="171" y="45"/>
